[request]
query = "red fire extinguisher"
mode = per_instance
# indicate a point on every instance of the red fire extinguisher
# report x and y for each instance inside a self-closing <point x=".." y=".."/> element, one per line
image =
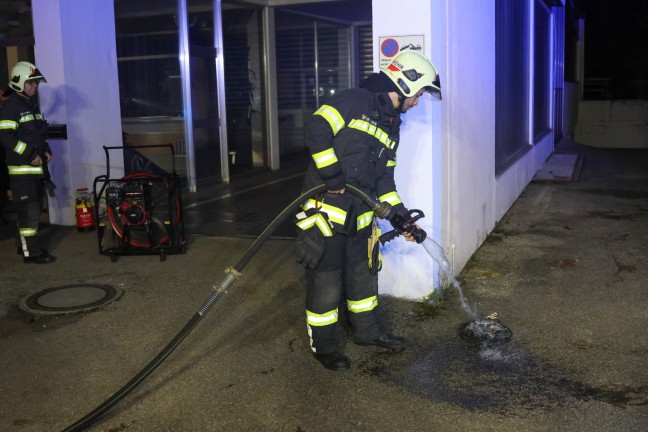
<point x="84" y="209"/>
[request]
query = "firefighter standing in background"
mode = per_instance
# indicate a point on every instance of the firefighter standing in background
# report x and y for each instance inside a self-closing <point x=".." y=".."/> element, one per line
<point x="353" y="139"/>
<point x="23" y="134"/>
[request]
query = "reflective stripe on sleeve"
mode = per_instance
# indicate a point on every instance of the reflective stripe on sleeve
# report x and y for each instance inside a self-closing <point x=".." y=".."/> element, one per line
<point x="324" y="319"/>
<point x="8" y="124"/>
<point x="391" y="197"/>
<point x="20" y="147"/>
<point x="332" y="116"/>
<point x="365" y="305"/>
<point x="25" y="169"/>
<point x="325" y="158"/>
<point x="391" y="163"/>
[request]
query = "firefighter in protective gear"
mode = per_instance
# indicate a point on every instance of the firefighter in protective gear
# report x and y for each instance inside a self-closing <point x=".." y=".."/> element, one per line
<point x="353" y="139"/>
<point x="23" y="134"/>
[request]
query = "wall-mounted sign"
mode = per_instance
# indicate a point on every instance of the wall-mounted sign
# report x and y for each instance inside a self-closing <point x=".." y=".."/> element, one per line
<point x="390" y="46"/>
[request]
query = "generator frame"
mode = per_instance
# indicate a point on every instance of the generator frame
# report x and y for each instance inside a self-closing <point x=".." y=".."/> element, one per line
<point x="122" y="245"/>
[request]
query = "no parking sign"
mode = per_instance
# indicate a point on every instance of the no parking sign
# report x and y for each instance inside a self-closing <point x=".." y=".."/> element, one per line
<point x="390" y="46"/>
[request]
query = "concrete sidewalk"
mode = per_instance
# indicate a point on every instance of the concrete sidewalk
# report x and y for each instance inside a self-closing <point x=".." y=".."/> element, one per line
<point x="564" y="269"/>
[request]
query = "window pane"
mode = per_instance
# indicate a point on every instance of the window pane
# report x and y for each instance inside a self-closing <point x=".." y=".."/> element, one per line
<point x="312" y="65"/>
<point x="149" y="83"/>
<point x="511" y="81"/>
<point x="148" y="67"/>
<point x="541" y="71"/>
<point x="245" y="86"/>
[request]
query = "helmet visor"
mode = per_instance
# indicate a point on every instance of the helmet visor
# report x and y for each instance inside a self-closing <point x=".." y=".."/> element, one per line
<point x="435" y="88"/>
<point x="36" y="75"/>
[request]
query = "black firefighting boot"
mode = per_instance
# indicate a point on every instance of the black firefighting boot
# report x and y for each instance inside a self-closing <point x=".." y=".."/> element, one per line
<point x="388" y="341"/>
<point x="335" y="361"/>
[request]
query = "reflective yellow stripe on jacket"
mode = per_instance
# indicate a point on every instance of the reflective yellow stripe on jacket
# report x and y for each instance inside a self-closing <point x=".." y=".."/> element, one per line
<point x="325" y="158"/>
<point x="29" y="117"/>
<point x="25" y="169"/>
<point x="20" y="147"/>
<point x="373" y="130"/>
<point x="332" y="116"/>
<point x="8" y="124"/>
<point x="391" y="197"/>
<point x="316" y="220"/>
<point x="335" y="214"/>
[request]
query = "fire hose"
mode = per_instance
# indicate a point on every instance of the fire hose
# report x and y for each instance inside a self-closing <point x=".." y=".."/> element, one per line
<point x="383" y="210"/>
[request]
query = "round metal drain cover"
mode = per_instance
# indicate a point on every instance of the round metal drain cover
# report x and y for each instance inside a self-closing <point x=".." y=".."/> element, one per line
<point x="70" y="299"/>
<point x="488" y="331"/>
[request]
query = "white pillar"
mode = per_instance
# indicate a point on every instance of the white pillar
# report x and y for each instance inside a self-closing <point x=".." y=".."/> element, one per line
<point x="75" y="49"/>
<point x="407" y="269"/>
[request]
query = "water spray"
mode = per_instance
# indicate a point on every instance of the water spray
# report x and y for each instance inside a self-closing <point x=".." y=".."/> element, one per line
<point x="488" y="331"/>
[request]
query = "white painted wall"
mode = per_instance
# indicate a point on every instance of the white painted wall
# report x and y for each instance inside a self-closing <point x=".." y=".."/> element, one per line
<point x="75" y="50"/>
<point x="446" y="159"/>
<point x="470" y="128"/>
<point x="407" y="269"/>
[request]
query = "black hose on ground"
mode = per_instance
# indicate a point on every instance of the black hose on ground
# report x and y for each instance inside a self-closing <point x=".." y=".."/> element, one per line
<point x="232" y="273"/>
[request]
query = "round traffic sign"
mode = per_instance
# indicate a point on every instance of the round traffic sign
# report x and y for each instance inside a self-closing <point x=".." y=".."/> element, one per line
<point x="389" y="47"/>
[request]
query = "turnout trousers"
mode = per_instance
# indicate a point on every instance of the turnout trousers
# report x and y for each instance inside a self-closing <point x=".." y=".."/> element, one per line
<point x="342" y="274"/>
<point x="27" y="197"/>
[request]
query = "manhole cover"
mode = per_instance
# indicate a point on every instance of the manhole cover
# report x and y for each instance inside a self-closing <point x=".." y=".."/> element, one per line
<point x="70" y="299"/>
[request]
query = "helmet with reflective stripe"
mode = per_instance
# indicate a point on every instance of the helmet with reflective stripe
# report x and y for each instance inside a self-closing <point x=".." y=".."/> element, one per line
<point x="21" y="72"/>
<point x="413" y="72"/>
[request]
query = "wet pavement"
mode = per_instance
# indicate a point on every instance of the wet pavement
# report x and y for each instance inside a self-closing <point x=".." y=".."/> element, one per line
<point x="564" y="270"/>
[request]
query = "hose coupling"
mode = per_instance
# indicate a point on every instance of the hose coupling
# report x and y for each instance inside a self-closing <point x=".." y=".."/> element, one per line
<point x="384" y="210"/>
<point x="233" y="271"/>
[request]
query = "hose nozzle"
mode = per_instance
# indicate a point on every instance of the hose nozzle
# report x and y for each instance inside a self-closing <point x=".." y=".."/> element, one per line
<point x="401" y="224"/>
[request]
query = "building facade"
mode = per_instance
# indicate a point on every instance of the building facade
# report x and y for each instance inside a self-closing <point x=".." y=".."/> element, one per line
<point x="229" y="85"/>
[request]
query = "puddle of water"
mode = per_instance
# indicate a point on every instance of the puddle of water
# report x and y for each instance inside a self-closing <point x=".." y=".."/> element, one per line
<point x="501" y="379"/>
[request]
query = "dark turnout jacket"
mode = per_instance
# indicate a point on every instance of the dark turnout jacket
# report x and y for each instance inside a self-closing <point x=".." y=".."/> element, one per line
<point x="23" y="134"/>
<point x="353" y="140"/>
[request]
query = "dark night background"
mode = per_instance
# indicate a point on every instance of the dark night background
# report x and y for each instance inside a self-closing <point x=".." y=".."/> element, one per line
<point x="616" y="45"/>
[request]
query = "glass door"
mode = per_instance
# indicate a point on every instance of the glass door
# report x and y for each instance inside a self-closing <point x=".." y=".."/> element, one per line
<point x="202" y="117"/>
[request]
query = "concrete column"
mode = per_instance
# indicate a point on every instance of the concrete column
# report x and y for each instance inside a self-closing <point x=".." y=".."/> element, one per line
<point x="75" y="50"/>
<point x="407" y="269"/>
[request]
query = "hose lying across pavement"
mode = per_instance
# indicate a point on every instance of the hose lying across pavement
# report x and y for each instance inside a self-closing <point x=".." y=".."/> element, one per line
<point x="232" y="274"/>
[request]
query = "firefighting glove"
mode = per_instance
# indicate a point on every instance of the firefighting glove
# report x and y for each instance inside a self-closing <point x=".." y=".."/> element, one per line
<point x="310" y="247"/>
<point x="50" y="187"/>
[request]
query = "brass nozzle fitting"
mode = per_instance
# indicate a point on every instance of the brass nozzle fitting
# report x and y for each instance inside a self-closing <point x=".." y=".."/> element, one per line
<point x="384" y="210"/>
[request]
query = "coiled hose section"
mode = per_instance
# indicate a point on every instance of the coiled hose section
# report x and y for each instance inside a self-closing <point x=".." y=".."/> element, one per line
<point x="92" y="416"/>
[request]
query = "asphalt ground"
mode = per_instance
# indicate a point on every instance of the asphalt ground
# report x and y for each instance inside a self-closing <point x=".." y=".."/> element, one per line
<point x="564" y="269"/>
